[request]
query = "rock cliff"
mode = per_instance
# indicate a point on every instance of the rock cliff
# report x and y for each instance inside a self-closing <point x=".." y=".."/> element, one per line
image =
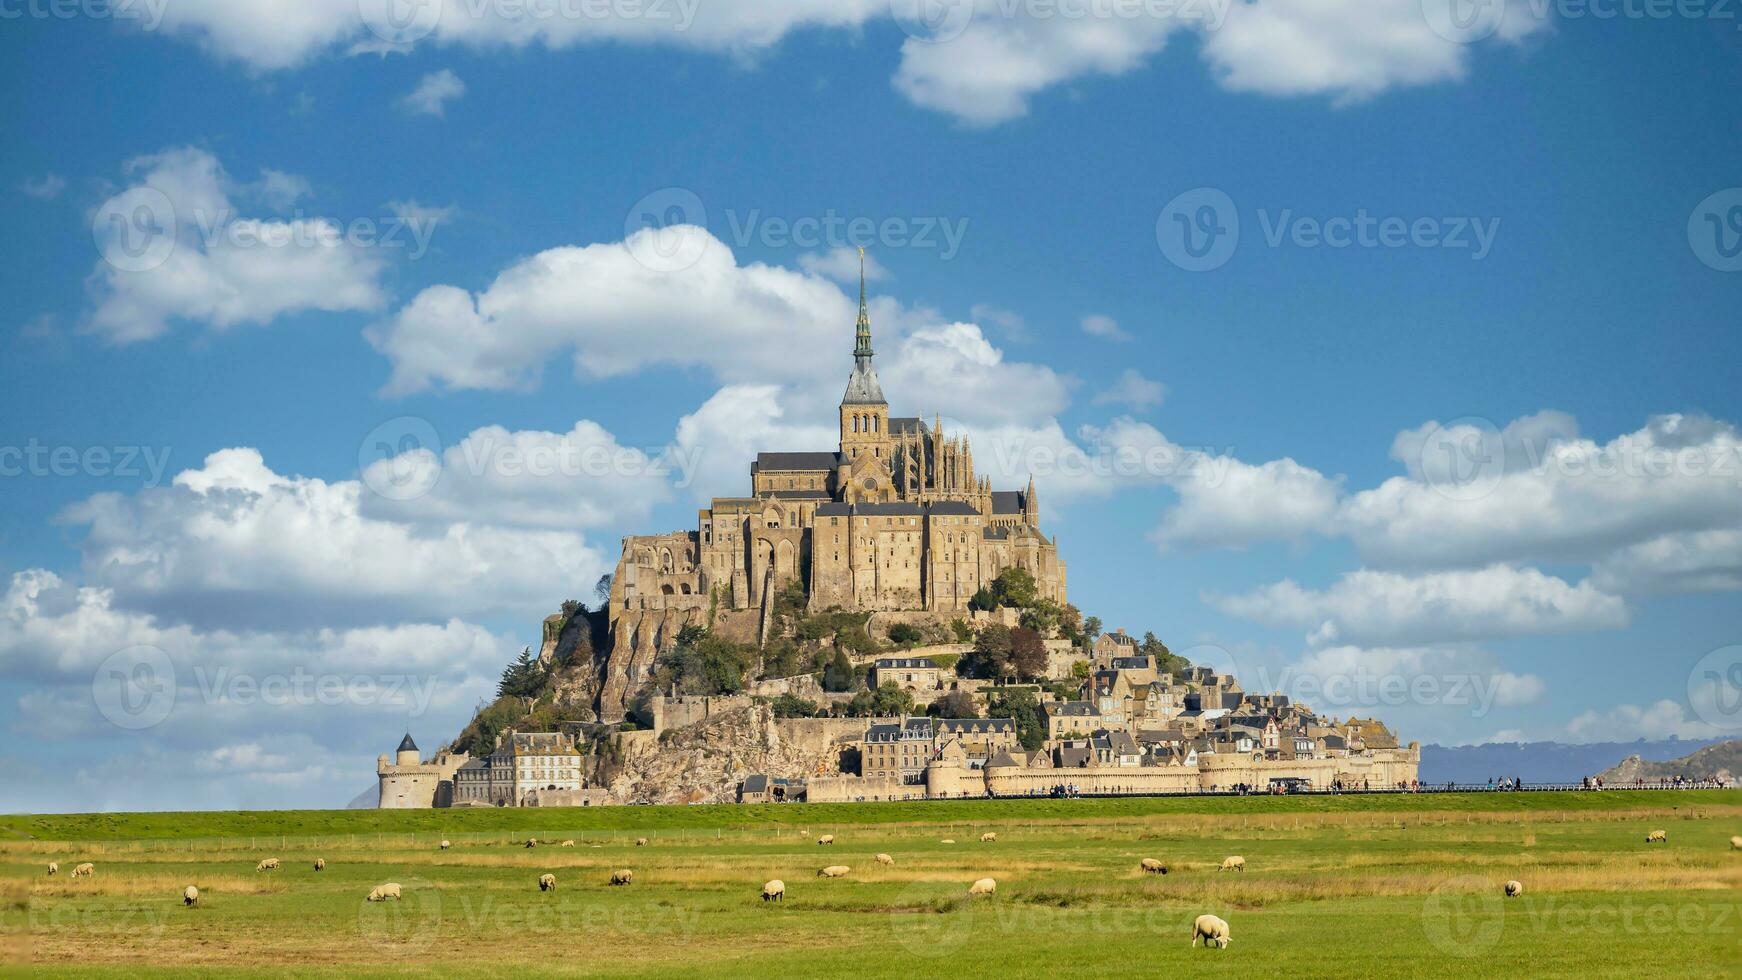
<point x="704" y="763"/>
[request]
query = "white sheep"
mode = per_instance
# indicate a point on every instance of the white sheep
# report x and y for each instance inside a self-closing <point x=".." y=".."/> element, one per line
<point x="773" y="891"/>
<point x="190" y="896"/>
<point x="532" y="842"/>
<point x="1656" y="837"/>
<point x="622" y="876"/>
<point x="1234" y="863"/>
<point x="568" y="843"/>
<point x="1212" y="930"/>
<point x="1735" y="845"/>
<point x="54" y="869"/>
<point x="946" y="841"/>
<point x="885" y="859"/>
<point x="825" y="839"/>
<point x="640" y="842"/>
<point x="985" y="886"/>
<point x="1514" y="889"/>
<point x="85" y="870"/>
<point x="547" y="883"/>
<point x="1154" y="867"/>
<point x="445" y="845"/>
<point x="320" y="864"/>
<point x="381" y="893"/>
<point x="833" y="871"/>
<point x="988" y="838"/>
<point x="267" y="864"/>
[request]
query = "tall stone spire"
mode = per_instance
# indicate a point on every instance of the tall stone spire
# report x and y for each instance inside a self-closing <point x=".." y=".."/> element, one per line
<point x="862" y="387"/>
<point x="862" y="348"/>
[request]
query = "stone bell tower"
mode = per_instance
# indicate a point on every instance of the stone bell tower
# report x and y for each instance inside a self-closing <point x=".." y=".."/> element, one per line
<point x="866" y="445"/>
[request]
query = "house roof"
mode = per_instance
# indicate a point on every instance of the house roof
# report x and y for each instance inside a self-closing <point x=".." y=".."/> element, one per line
<point x="799" y="494"/>
<point x="1131" y="663"/>
<point x="905" y="663"/>
<point x="756" y="783"/>
<point x="1003" y="760"/>
<point x="797" y="462"/>
<point x="1073" y="757"/>
<point x="1071" y="709"/>
<point x="406" y="744"/>
<point x="976" y="726"/>
<point x="1007" y="501"/>
<point x="954" y="508"/>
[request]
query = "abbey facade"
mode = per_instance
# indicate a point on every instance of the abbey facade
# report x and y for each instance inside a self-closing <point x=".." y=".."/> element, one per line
<point x="893" y="519"/>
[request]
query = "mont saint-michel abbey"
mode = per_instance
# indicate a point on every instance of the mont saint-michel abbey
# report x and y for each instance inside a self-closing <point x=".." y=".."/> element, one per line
<point x="894" y="519"/>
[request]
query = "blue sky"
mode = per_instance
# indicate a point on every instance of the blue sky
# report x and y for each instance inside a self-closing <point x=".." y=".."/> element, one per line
<point x="1574" y="332"/>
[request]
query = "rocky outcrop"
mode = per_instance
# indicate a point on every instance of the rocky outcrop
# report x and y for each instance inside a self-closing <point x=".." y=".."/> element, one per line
<point x="1722" y="762"/>
<point x="705" y="763"/>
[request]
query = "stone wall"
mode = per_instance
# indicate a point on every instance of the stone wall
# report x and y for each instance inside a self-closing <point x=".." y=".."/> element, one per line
<point x="854" y="789"/>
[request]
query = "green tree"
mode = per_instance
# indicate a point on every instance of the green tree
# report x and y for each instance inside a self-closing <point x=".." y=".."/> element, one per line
<point x="990" y="658"/>
<point x="1023" y="708"/>
<point x="964" y="632"/>
<point x="1092" y="628"/>
<point x="1015" y="587"/>
<point x="903" y="634"/>
<point x="890" y="699"/>
<point x="523" y="678"/>
<point x="956" y="704"/>
<point x="983" y="600"/>
<point x="793" y="706"/>
<point x="838" y="675"/>
<point x="1027" y="653"/>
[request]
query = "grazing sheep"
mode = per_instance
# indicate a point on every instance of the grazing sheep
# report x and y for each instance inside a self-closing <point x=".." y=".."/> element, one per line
<point x="640" y="842"/>
<point x="825" y="839"/>
<point x="885" y="859"/>
<point x="190" y="896"/>
<point x="985" y="886"/>
<point x="547" y="883"/>
<point x="381" y="893"/>
<point x="1514" y="889"/>
<point x="1154" y="867"/>
<point x="1735" y="845"/>
<point x="532" y="842"/>
<point x="267" y="864"/>
<point x="833" y="871"/>
<point x="1212" y="930"/>
<point x="773" y="891"/>
<point x="568" y="843"/>
<point x="446" y="845"/>
<point x="988" y="838"/>
<point x="1234" y="863"/>
<point x="320" y="864"/>
<point x="946" y="841"/>
<point x="622" y="876"/>
<point x="1656" y="837"/>
<point x="54" y="869"/>
<point x="84" y="870"/>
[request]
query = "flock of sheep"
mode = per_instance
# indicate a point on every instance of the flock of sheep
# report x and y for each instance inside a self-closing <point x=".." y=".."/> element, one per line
<point x="1211" y="930"/>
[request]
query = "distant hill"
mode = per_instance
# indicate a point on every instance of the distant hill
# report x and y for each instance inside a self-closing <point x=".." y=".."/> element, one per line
<point x="369" y="799"/>
<point x="1721" y="761"/>
<point x="1544" y="762"/>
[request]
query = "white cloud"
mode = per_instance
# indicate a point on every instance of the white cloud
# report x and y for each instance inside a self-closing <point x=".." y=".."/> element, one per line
<point x="202" y="262"/>
<point x="1537" y="491"/>
<point x="1693" y="561"/>
<point x="1227" y="503"/>
<point x="433" y="93"/>
<point x="1369" y="608"/>
<point x="1349" y="49"/>
<point x="1097" y="325"/>
<point x="1624" y="723"/>
<point x="44" y="188"/>
<point x="582" y="478"/>
<point x="725" y="433"/>
<point x="1132" y="390"/>
<point x="236" y="543"/>
<point x="842" y="265"/>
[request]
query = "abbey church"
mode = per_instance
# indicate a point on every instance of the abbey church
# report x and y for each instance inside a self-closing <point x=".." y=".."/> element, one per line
<point x="894" y="519"/>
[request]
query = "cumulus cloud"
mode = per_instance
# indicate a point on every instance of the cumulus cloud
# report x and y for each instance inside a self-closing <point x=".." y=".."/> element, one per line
<point x="235" y="543"/>
<point x="1132" y="390"/>
<point x="1626" y="722"/>
<point x="433" y="93"/>
<point x="1369" y="608"/>
<point x="842" y="265"/>
<point x="986" y="74"/>
<point x="1097" y="325"/>
<point x="176" y="249"/>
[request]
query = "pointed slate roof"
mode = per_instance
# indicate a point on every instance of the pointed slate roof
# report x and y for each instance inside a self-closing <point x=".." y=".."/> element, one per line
<point x="406" y="744"/>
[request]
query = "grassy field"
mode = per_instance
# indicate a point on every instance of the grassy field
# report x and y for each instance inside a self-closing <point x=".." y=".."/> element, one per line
<point x="1345" y="887"/>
